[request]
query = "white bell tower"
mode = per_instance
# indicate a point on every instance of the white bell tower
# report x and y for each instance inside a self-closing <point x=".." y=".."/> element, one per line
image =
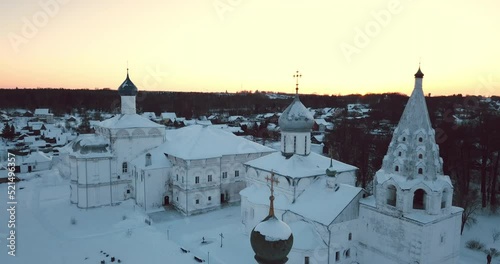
<point x="410" y="217"/>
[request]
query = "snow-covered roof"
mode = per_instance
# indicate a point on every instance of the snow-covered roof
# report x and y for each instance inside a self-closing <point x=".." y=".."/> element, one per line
<point x="89" y="146"/>
<point x="269" y="115"/>
<point x="305" y="236"/>
<point x="225" y="127"/>
<point x="189" y="122"/>
<point x="149" y="115"/>
<point x="35" y="125"/>
<point x="321" y="121"/>
<point x="234" y="118"/>
<point x="42" y="111"/>
<point x="427" y="218"/>
<point x="201" y="142"/>
<point x="128" y="121"/>
<point x="37" y="157"/>
<point x="204" y="122"/>
<point x="320" y="138"/>
<point x="419" y="217"/>
<point x="322" y="204"/>
<point x="168" y="115"/>
<point x="158" y="159"/>
<point x="298" y="166"/>
<point x="440" y="182"/>
<point x="260" y="195"/>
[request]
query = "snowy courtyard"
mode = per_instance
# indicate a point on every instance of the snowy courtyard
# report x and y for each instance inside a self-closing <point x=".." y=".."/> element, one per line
<point x="51" y="230"/>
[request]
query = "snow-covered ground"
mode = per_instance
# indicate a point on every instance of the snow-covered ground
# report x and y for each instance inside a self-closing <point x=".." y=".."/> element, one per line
<point x="51" y="230"/>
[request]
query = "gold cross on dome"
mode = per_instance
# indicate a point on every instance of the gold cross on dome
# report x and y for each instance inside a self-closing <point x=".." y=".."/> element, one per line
<point x="297" y="75"/>
<point x="271" y="198"/>
<point x="272" y="180"/>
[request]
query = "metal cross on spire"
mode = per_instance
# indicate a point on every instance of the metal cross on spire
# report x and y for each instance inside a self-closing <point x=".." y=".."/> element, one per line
<point x="297" y="75"/>
<point x="271" y="198"/>
<point x="127" y="68"/>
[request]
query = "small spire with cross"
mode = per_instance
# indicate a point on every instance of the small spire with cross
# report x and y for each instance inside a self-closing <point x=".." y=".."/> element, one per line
<point x="297" y="75"/>
<point x="127" y="68"/>
<point x="271" y="198"/>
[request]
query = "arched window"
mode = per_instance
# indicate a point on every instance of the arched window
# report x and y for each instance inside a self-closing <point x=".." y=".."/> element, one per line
<point x="391" y="195"/>
<point x="420" y="139"/>
<point x="404" y="139"/>
<point x="148" y="159"/>
<point x="444" y="198"/>
<point x="420" y="156"/>
<point x="420" y="171"/>
<point x="124" y="167"/>
<point x="399" y="153"/>
<point x="396" y="168"/>
<point x="419" y="199"/>
<point x="350" y="236"/>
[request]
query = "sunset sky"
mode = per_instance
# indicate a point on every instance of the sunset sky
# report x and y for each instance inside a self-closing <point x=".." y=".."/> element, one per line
<point x="340" y="47"/>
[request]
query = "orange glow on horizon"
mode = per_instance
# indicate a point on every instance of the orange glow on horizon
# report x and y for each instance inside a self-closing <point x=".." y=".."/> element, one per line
<point x="221" y="45"/>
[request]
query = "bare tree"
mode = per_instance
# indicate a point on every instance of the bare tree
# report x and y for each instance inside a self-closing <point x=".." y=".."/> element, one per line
<point x="470" y="203"/>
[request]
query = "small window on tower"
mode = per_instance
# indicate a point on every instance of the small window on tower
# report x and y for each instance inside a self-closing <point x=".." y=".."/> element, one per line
<point x="210" y="198"/>
<point x="404" y="138"/>
<point x="294" y="143"/>
<point x="396" y="168"/>
<point x="420" y="139"/>
<point x="420" y="171"/>
<point x="124" y="167"/>
<point x="284" y="143"/>
<point x="399" y="153"/>
<point x="305" y="145"/>
<point x="148" y="159"/>
<point x="420" y="156"/>
<point x="350" y="236"/>
<point x="197" y="201"/>
<point x="209" y="178"/>
<point x="236" y="173"/>
<point x="197" y="179"/>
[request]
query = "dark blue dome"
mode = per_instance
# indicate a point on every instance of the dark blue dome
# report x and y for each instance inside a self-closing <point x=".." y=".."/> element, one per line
<point x="127" y="88"/>
<point x="419" y="74"/>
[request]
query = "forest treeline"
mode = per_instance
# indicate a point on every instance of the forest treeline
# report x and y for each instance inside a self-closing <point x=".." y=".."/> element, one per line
<point x="185" y="104"/>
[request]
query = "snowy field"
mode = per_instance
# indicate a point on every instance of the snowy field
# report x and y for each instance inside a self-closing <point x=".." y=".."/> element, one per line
<point x="51" y="230"/>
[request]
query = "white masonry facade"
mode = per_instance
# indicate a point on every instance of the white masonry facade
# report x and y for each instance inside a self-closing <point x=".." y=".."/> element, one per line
<point x="131" y="157"/>
<point x="408" y="220"/>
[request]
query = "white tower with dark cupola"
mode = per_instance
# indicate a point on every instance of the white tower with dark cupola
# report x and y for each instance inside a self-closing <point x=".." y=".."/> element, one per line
<point x="410" y="217"/>
<point x="128" y="92"/>
<point x="296" y="123"/>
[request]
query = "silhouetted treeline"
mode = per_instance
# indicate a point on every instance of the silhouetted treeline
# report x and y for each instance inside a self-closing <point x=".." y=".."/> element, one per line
<point x="186" y="104"/>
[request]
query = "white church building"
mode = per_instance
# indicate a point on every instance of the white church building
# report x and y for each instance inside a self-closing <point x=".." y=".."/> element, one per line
<point x="196" y="168"/>
<point x="409" y="219"/>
